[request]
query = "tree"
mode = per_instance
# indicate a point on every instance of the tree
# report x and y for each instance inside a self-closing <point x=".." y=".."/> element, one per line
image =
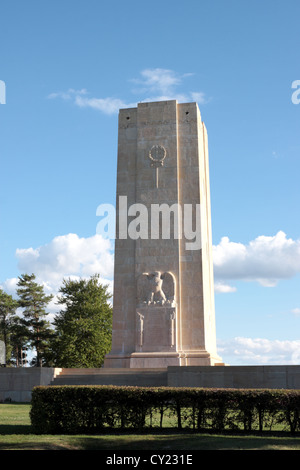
<point x="8" y="307"/>
<point x="83" y="328"/>
<point x="33" y="300"/>
<point x="19" y="342"/>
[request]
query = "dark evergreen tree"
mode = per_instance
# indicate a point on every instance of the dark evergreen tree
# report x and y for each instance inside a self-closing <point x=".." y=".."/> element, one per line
<point x="33" y="301"/>
<point x="19" y="341"/>
<point x="8" y="307"/>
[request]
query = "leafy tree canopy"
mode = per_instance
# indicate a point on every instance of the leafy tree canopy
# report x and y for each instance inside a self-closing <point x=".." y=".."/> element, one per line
<point x="83" y="327"/>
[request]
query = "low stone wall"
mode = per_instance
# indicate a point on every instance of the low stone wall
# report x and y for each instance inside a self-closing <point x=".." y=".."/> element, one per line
<point x="286" y="377"/>
<point x="16" y="384"/>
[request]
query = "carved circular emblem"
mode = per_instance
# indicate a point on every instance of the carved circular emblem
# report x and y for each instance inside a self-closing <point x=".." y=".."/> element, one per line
<point x="157" y="155"/>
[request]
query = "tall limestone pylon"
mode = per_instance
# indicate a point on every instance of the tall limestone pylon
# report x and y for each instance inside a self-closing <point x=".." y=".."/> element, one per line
<point x="163" y="304"/>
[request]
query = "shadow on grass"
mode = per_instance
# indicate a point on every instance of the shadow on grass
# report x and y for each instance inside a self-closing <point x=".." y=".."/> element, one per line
<point x="184" y="442"/>
<point x="28" y="446"/>
<point x="147" y="442"/>
<point x="15" y="429"/>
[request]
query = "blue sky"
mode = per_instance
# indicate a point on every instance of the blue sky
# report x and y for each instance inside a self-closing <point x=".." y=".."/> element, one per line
<point x="68" y="66"/>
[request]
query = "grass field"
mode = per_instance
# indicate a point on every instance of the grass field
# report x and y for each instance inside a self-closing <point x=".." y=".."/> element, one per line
<point x="16" y="434"/>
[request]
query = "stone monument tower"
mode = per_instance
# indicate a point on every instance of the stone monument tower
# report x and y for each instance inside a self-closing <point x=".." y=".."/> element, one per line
<point x="163" y="304"/>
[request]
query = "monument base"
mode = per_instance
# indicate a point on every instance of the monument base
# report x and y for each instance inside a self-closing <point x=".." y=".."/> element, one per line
<point x="149" y="360"/>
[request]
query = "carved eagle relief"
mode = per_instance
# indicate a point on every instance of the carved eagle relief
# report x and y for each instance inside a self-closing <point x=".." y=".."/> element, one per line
<point x="156" y="289"/>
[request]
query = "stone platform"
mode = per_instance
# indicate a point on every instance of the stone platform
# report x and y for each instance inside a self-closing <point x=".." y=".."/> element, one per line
<point x="281" y="377"/>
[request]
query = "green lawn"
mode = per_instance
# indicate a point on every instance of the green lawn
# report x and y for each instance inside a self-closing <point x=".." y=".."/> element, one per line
<point x="15" y="434"/>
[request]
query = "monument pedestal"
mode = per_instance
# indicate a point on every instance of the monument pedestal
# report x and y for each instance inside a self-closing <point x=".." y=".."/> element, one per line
<point x="160" y="360"/>
<point x="156" y="343"/>
<point x="163" y="360"/>
<point x="155" y="329"/>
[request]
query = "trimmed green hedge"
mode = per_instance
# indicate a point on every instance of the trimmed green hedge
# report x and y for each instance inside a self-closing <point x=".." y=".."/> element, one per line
<point x="94" y="409"/>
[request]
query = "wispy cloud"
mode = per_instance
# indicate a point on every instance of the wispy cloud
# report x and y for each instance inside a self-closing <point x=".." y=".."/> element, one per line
<point x="162" y="84"/>
<point x="159" y="81"/>
<point x="296" y="311"/>
<point x="259" y="351"/>
<point x="153" y="80"/>
<point x="222" y="288"/>
<point x="68" y="95"/>
<point x="155" y="84"/>
<point x="106" y="105"/>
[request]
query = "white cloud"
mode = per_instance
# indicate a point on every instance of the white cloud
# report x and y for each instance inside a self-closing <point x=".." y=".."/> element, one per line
<point x="155" y="84"/>
<point x="259" y="351"/>
<point x="66" y="256"/>
<point x="265" y="260"/>
<point x="9" y="285"/>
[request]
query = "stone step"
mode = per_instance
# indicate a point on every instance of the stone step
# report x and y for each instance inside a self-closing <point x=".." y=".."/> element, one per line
<point x="137" y="377"/>
<point x="111" y="371"/>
